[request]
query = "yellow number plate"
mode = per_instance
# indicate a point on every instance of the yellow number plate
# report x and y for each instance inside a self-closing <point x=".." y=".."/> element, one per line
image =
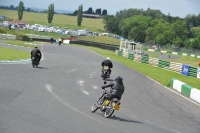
<point x="116" y="107"/>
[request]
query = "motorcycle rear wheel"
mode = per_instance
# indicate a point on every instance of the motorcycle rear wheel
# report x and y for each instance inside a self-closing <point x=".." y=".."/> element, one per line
<point x="108" y="112"/>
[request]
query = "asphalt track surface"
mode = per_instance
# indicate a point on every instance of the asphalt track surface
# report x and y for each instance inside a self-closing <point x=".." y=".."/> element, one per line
<point x="57" y="96"/>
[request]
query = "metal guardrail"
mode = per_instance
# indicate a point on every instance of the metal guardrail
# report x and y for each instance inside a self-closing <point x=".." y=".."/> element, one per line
<point x="96" y="44"/>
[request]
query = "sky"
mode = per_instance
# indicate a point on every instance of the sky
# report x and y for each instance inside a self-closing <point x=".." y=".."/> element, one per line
<point x="179" y="8"/>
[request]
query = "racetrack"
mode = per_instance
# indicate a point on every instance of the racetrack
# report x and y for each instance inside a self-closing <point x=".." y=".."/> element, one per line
<point x="57" y="96"/>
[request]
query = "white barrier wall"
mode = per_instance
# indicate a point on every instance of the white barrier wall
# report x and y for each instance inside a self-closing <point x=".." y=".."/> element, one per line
<point x="66" y="41"/>
<point x="8" y="36"/>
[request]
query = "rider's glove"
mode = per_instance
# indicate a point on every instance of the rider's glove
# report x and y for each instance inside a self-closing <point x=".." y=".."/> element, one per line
<point x="103" y="87"/>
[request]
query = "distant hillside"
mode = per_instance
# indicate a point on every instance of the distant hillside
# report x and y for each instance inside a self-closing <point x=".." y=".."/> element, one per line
<point x="57" y="11"/>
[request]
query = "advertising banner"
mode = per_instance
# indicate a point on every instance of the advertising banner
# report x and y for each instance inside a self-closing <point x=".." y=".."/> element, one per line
<point x="198" y="73"/>
<point x="185" y="69"/>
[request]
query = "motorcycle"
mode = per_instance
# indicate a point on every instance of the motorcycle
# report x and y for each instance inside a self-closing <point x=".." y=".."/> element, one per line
<point x="108" y="107"/>
<point x="59" y="43"/>
<point x="35" y="61"/>
<point x="105" y="72"/>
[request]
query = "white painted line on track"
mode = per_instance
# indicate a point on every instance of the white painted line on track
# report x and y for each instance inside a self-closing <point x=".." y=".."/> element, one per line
<point x="94" y="87"/>
<point x="50" y="89"/>
<point x="87" y="93"/>
<point x="80" y="82"/>
<point x="154" y="81"/>
<point x="71" y="70"/>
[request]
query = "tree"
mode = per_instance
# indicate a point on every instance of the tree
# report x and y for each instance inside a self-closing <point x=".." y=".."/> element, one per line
<point x="50" y="13"/>
<point x="98" y="11"/>
<point x="75" y="12"/>
<point x="20" y="10"/>
<point x="111" y="24"/>
<point x="89" y="11"/>
<point x="80" y="15"/>
<point x="12" y="7"/>
<point x="104" y="12"/>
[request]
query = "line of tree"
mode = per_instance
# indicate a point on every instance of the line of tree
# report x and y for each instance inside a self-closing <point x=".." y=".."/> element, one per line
<point x="91" y="11"/>
<point x="154" y="27"/>
<point x="11" y="7"/>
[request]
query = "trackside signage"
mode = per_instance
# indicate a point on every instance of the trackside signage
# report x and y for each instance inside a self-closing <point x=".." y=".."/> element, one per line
<point x="198" y="73"/>
<point x="185" y="69"/>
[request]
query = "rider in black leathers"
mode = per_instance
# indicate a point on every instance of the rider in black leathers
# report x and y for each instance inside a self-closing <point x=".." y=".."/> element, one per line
<point x="36" y="53"/>
<point x="116" y="91"/>
<point x="107" y="62"/>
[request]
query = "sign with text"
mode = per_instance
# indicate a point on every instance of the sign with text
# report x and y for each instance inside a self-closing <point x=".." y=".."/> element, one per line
<point x="185" y="69"/>
<point x="198" y="73"/>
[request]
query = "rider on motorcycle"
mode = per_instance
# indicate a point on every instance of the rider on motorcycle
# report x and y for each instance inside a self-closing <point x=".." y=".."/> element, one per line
<point x="51" y="40"/>
<point x="108" y="63"/>
<point x="116" y="91"/>
<point x="36" y="53"/>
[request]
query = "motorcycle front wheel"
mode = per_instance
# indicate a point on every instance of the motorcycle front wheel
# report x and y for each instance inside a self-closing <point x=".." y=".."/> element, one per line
<point x="94" y="108"/>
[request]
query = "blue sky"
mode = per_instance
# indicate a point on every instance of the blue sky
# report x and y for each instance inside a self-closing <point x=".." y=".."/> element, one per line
<point x="175" y="7"/>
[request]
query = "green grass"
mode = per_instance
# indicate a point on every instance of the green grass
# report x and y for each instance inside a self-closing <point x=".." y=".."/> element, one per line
<point x="58" y="20"/>
<point x="158" y="74"/>
<point x="11" y="54"/>
<point x="100" y="39"/>
<point x="21" y="43"/>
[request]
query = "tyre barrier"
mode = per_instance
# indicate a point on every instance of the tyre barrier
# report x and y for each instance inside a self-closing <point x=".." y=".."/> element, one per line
<point x="8" y="36"/>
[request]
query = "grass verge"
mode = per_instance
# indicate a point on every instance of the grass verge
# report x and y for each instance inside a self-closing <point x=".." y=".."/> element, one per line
<point x="29" y="44"/>
<point x="58" y="20"/>
<point x="193" y="61"/>
<point x="156" y="73"/>
<point x="12" y="54"/>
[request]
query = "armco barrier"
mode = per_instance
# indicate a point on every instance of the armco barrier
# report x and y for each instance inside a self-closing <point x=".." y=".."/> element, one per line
<point x="185" y="89"/>
<point x="192" y="71"/>
<point x="96" y="44"/>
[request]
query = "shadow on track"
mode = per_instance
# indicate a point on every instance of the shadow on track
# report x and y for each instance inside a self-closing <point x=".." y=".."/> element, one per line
<point x="125" y="120"/>
<point x="41" y="67"/>
<point x="121" y="119"/>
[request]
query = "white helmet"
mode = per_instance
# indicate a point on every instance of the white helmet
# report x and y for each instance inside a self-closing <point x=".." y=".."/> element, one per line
<point x="35" y="45"/>
<point x="108" y="58"/>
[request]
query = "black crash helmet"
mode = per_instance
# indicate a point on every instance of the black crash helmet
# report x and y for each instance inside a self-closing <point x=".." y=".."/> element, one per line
<point x="119" y="79"/>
